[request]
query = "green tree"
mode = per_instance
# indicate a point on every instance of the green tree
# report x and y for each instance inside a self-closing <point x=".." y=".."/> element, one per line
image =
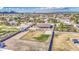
<point x="61" y="27"/>
<point x="75" y="19"/>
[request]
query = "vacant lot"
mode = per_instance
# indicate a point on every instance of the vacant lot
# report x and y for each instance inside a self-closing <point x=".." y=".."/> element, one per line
<point x="63" y="41"/>
<point x="36" y="35"/>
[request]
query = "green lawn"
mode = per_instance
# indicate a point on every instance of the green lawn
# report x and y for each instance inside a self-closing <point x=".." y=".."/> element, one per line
<point x="7" y="30"/>
<point x="42" y="38"/>
<point x="4" y="28"/>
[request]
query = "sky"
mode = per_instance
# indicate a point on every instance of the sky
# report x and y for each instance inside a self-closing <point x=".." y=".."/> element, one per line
<point x="38" y="3"/>
<point x="39" y="9"/>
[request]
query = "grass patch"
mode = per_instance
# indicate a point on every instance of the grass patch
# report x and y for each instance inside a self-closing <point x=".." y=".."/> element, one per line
<point x="42" y="37"/>
<point x="56" y="34"/>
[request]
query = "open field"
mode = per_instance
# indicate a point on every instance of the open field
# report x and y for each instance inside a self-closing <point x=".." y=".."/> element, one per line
<point x="36" y="35"/>
<point x="6" y="31"/>
<point x="17" y="44"/>
<point x="63" y="41"/>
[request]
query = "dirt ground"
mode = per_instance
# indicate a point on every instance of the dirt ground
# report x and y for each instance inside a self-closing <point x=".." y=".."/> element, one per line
<point x="63" y="42"/>
<point x="16" y="44"/>
<point x="31" y="34"/>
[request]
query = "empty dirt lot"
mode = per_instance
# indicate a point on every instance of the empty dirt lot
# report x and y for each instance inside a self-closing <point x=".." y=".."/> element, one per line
<point x="16" y="44"/>
<point x="63" y="41"/>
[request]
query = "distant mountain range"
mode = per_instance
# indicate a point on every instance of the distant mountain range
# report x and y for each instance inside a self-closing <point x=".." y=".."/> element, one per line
<point x="12" y="12"/>
<point x="38" y="9"/>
